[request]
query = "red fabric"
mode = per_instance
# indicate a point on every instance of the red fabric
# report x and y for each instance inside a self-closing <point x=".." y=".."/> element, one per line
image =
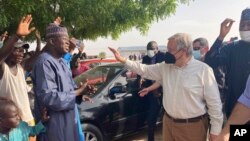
<point x="79" y="70"/>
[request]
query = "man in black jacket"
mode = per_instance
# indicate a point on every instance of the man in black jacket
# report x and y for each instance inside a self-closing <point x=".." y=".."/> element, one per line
<point x="154" y="97"/>
<point x="235" y="57"/>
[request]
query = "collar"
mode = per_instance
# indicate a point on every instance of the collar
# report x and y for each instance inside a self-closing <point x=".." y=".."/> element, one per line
<point x="187" y="63"/>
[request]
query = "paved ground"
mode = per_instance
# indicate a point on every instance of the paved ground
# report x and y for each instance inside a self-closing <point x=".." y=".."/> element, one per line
<point x="142" y="135"/>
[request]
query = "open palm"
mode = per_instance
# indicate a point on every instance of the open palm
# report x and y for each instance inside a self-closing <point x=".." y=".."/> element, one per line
<point x="117" y="55"/>
<point x="23" y="27"/>
<point x="226" y="27"/>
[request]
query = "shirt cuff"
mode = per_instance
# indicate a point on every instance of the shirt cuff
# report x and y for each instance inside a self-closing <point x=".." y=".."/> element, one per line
<point x="215" y="130"/>
<point x="216" y="125"/>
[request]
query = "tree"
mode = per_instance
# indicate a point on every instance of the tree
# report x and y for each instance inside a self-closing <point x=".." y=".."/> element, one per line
<point x="88" y="19"/>
<point x="102" y="55"/>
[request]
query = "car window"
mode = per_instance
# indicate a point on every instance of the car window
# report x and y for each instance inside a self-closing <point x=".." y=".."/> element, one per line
<point x="130" y="74"/>
<point x="92" y="65"/>
<point x="97" y="62"/>
<point x="99" y="76"/>
<point x="128" y="79"/>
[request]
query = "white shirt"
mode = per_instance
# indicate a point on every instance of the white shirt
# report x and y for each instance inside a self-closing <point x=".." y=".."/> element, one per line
<point x="188" y="92"/>
<point x="14" y="87"/>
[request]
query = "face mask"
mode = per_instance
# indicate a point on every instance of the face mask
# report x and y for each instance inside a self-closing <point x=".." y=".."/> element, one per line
<point x="245" y="35"/>
<point x="150" y="53"/>
<point x="197" y="54"/>
<point x="169" y="58"/>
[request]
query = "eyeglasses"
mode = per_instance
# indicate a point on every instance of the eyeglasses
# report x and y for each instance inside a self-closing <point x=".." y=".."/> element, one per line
<point x="197" y="48"/>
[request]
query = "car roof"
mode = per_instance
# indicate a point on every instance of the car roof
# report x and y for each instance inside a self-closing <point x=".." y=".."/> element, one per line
<point x="117" y="64"/>
<point x="98" y="60"/>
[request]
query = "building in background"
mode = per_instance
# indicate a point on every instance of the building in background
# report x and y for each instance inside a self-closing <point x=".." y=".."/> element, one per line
<point x="136" y="52"/>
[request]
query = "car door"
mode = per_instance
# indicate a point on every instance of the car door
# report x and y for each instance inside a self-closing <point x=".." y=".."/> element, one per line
<point x="127" y="110"/>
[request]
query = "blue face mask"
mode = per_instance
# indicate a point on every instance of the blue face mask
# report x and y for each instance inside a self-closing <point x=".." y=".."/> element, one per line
<point x="197" y="54"/>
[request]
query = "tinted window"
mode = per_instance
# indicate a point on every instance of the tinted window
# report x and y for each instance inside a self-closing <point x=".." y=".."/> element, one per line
<point x="99" y="76"/>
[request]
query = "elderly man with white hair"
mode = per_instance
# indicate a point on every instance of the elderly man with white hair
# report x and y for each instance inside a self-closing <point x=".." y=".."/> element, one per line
<point x="190" y="92"/>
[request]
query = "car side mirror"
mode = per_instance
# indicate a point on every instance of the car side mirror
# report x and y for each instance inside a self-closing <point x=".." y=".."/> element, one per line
<point x="117" y="89"/>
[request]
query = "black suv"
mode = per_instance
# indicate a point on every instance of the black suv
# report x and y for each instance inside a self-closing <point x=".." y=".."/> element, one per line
<point x="117" y="109"/>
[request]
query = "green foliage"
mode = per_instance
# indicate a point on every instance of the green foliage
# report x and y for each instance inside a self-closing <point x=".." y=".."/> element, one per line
<point x="102" y="55"/>
<point x="88" y="19"/>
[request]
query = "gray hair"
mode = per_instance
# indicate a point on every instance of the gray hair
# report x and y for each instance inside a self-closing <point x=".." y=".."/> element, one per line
<point x="203" y="42"/>
<point x="183" y="40"/>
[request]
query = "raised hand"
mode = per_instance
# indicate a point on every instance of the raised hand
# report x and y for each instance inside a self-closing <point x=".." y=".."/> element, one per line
<point x="23" y="27"/>
<point x="58" y="21"/>
<point x="225" y="28"/>
<point x="4" y="36"/>
<point x="72" y="43"/>
<point x="143" y="92"/>
<point x="117" y="55"/>
<point x="80" y="45"/>
<point x="80" y="49"/>
<point x="38" y="35"/>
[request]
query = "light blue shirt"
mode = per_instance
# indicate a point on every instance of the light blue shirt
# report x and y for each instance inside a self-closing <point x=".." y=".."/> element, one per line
<point x="22" y="132"/>
<point x="67" y="58"/>
<point x="245" y="97"/>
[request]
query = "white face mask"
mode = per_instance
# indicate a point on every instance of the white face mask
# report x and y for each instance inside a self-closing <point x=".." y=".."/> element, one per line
<point x="150" y="53"/>
<point x="245" y="36"/>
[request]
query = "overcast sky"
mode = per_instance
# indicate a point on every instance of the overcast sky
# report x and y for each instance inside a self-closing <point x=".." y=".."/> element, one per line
<point x="200" y="18"/>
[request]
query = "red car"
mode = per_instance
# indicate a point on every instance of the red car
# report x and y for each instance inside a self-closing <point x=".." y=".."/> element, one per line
<point x="87" y="64"/>
<point x="96" y="62"/>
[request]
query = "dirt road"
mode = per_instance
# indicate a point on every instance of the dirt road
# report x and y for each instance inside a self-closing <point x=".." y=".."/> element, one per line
<point x="142" y="135"/>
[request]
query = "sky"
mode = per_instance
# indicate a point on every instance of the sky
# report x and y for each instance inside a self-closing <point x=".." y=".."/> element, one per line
<point x="199" y="18"/>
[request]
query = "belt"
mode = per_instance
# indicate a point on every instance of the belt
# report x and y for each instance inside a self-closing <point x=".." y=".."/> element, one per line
<point x="189" y="120"/>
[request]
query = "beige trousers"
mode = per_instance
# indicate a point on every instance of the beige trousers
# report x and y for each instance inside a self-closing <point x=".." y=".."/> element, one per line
<point x="195" y="131"/>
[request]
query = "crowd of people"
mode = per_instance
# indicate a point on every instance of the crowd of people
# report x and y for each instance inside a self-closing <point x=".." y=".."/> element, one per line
<point x="199" y="88"/>
<point x="192" y="98"/>
<point x="54" y="88"/>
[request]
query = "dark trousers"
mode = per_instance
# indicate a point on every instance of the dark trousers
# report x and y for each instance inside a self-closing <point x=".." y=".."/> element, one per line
<point x="154" y="109"/>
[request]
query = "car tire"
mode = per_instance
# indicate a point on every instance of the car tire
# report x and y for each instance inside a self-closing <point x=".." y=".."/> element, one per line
<point x="92" y="133"/>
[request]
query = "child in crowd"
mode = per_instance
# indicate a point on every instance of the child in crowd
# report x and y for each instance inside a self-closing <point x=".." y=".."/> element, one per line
<point x="12" y="128"/>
